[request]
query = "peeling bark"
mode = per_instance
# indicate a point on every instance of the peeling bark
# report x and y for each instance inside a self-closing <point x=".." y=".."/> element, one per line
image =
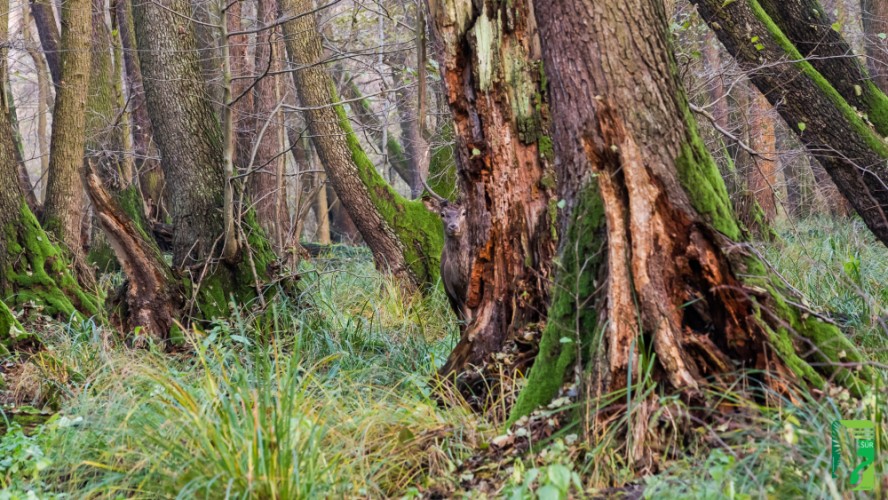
<point x="153" y="296"/>
<point x="491" y="67"/>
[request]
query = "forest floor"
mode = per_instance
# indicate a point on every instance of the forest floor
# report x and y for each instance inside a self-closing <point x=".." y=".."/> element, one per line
<point x="333" y="395"/>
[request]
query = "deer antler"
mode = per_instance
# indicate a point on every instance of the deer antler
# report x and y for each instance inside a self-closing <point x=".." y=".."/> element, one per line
<point x="433" y="194"/>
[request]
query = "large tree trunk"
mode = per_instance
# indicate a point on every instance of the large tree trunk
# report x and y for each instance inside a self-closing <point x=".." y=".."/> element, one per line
<point x="189" y="138"/>
<point x="816" y="98"/>
<point x="63" y="208"/>
<point x="492" y="74"/>
<point x="406" y="239"/>
<point x="185" y="127"/>
<point x="676" y="284"/>
<point x="875" y="25"/>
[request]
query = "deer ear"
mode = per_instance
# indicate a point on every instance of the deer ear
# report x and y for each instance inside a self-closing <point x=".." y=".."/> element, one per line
<point x="432" y="204"/>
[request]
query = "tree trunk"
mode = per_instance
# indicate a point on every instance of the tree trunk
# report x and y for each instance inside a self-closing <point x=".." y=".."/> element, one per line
<point x="189" y="138"/>
<point x="63" y="208"/>
<point x="416" y="149"/>
<point x="242" y="67"/>
<point x="405" y="238"/>
<point x="185" y="127"/>
<point x="492" y="73"/>
<point x="149" y="172"/>
<point x="267" y="159"/>
<point x="761" y="178"/>
<point x="103" y="131"/>
<point x="875" y="26"/>
<point x="153" y="295"/>
<point x="44" y="95"/>
<point x="373" y="126"/>
<point x="677" y="284"/>
<point x="48" y="32"/>
<point x="816" y="98"/>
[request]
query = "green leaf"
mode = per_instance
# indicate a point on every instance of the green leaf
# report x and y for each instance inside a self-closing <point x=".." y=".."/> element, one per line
<point x="858" y="90"/>
<point x="882" y="36"/>
<point x="548" y="492"/>
<point x="759" y="47"/>
<point x="837" y="26"/>
<point x="754" y="39"/>
<point x="802" y="126"/>
<point x="565" y="340"/>
<point x="562" y="204"/>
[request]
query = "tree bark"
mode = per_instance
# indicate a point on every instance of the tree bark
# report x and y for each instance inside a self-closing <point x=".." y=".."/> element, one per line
<point x="266" y="158"/>
<point x="403" y="235"/>
<point x="63" y="208"/>
<point x="676" y="282"/>
<point x="149" y="172"/>
<point x="816" y="98"/>
<point x="153" y="296"/>
<point x="189" y="138"/>
<point x="761" y="177"/>
<point x="373" y="126"/>
<point x="186" y="128"/>
<point x="491" y="65"/>
<point x="44" y="95"/>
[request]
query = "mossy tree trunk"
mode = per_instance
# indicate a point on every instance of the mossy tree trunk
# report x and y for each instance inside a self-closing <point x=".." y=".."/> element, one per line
<point x="363" y="112"/>
<point x="677" y="285"/>
<point x="33" y="270"/>
<point x="405" y="237"/>
<point x="63" y="208"/>
<point x="189" y="138"/>
<point x="821" y="94"/>
<point x="495" y="88"/>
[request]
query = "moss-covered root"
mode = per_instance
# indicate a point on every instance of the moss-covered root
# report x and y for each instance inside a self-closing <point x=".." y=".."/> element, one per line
<point x="36" y="271"/>
<point x="11" y="331"/>
<point x="243" y="283"/>
<point x="572" y="318"/>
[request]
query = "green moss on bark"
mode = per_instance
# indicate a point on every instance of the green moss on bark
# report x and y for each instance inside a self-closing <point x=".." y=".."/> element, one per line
<point x="878" y="110"/>
<point x="701" y="179"/>
<point x="37" y="271"/>
<point x="419" y="230"/>
<point x="572" y="319"/>
<point x="237" y="283"/>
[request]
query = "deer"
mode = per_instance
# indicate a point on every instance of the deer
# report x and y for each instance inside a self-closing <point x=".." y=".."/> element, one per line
<point x="455" y="266"/>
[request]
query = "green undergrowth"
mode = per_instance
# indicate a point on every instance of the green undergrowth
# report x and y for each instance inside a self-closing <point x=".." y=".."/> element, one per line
<point x="330" y="398"/>
<point x="331" y="395"/>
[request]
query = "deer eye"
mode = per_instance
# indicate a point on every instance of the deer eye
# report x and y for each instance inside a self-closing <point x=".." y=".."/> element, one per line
<point x="463" y="212"/>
